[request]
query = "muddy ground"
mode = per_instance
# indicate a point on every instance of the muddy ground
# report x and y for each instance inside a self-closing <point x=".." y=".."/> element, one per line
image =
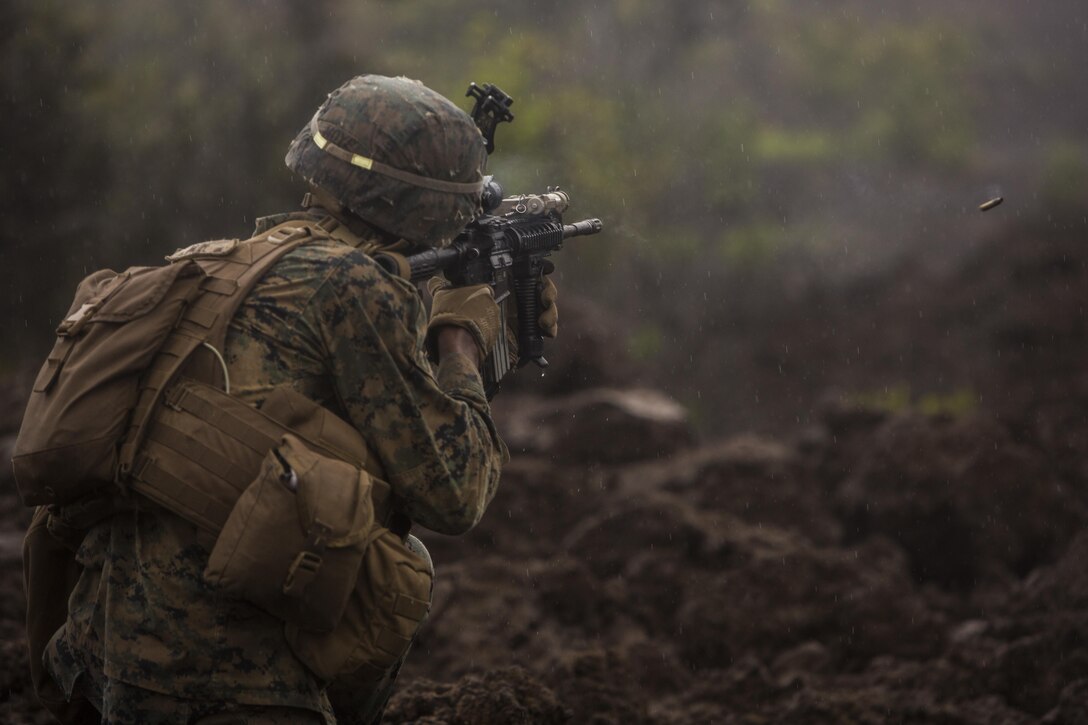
<point x="886" y="562"/>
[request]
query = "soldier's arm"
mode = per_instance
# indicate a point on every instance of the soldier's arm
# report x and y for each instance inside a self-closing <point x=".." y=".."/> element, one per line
<point x="457" y="341"/>
<point x="431" y="429"/>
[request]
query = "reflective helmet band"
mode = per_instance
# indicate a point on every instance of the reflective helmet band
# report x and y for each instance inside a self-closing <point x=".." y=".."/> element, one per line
<point x="356" y="160"/>
<point x="425" y="182"/>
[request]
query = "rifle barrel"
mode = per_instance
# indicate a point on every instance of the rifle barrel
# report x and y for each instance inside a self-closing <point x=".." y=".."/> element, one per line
<point x="578" y="229"/>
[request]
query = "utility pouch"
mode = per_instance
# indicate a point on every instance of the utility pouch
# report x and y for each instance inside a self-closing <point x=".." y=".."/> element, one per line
<point x="295" y="540"/>
<point x="388" y="604"/>
<point x="50" y="572"/>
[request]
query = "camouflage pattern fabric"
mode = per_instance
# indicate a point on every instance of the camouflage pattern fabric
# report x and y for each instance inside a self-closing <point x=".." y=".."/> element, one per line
<point x="127" y="705"/>
<point x="403" y="124"/>
<point x="327" y="321"/>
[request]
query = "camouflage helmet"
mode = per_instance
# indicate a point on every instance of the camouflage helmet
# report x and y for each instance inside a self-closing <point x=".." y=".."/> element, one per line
<point x="396" y="154"/>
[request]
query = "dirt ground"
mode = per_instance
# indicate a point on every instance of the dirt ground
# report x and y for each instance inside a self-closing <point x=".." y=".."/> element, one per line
<point x="884" y="563"/>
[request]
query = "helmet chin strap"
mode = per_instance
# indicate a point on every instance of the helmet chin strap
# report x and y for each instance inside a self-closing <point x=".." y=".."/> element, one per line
<point x="352" y="229"/>
<point x="320" y="198"/>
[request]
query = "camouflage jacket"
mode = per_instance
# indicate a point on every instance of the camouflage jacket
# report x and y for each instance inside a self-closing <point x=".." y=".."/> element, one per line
<point x="329" y="322"/>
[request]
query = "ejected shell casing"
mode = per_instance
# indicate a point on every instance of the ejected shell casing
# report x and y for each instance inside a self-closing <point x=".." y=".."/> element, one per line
<point x="987" y="206"/>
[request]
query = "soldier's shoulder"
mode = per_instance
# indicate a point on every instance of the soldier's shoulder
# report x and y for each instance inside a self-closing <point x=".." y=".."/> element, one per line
<point x="203" y="250"/>
<point x="353" y="262"/>
<point x="336" y="256"/>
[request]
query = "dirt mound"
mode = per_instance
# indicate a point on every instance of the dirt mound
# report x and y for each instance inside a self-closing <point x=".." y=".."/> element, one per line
<point x="598" y="425"/>
<point x="965" y="486"/>
<point x="508" y="695"/>
<point x="876" y="578"/>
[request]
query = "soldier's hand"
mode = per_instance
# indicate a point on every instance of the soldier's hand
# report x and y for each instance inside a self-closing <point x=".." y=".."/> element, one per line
<point x="549" y="313"/>
<point x="471" y="308"/>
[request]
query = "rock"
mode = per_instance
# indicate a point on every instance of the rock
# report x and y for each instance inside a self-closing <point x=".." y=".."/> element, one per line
<point x="968" y="630"/>
<point x="601" y="425"/>
<point x="755" y="479"/>
<point x="806" y="657"/>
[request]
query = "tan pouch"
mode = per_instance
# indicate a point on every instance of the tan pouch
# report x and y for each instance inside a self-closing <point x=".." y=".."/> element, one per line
<point x="50" y="572"/>
<point x="294" y="542"/>
<point x="388" y="604"/>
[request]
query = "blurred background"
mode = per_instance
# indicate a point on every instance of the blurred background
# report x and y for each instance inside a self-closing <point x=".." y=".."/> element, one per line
<point x="813" y="446"/>
<point x="765" y="171"/>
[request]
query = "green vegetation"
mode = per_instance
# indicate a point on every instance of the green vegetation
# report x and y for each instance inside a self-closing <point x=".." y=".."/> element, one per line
<point x="646" y="342"/>
<point x="896" y="89"/>
<point x="752" y="244"/>
<point x="955" y="403"/>
<point x="732" y="136"/>
<point x="1065" y="176"/>
<point x="898" y="398"/>
<point x="892" y="398"/>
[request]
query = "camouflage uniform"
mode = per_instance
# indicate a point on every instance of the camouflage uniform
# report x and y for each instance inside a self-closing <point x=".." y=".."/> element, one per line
<point x="151" y="640"/>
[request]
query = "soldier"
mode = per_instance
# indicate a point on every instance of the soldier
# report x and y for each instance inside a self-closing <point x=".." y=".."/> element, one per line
<point x="394" y="166"/>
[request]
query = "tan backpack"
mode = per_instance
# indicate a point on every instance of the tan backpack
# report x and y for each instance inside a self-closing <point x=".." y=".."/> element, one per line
<point x="79" y="406"/>
<point x="95" y="389"/>
<point x="288" y="498"/>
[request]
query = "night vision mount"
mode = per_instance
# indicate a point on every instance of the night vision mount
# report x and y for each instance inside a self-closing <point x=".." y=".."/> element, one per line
<point x="492" y="108"/>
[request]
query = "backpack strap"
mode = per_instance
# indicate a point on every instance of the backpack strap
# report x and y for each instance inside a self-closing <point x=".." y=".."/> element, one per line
<point x="194" y="447"/>
<point x="228" y="279"/>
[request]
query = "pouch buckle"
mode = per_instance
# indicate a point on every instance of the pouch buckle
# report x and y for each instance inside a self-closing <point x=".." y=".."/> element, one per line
<point x="307" y="563"/>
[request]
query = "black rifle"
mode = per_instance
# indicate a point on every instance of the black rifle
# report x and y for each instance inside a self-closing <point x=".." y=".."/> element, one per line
<point x="506" y="247"/>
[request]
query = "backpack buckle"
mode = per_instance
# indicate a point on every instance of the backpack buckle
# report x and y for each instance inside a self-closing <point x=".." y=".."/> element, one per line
<point x="74" y="323"/>
<point x="174" y="397"/>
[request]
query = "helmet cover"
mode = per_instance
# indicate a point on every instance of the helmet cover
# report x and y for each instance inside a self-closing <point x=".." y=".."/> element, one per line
<point x="397" y="155"/>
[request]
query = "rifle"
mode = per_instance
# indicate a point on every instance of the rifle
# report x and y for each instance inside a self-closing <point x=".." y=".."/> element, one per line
<point x="506" y="247"/>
